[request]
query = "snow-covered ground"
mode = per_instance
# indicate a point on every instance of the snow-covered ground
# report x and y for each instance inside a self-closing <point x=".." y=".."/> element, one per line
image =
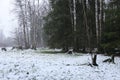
<point x="31" y="65"/>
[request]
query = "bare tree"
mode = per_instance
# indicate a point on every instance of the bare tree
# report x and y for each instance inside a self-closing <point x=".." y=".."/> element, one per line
<point x="30" y="15"/>
<point x="23" y="19"/>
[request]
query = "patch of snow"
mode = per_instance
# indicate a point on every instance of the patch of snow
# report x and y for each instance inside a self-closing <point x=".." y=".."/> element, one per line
<point x="29" y="65"/>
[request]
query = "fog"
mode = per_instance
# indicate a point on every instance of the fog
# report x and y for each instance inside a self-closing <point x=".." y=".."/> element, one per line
<point x="7" y="17"/>
<point x="8" y="22"/>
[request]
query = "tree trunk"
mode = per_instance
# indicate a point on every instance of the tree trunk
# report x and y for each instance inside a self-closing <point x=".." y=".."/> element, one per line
<point x="74" y="25"/>
<point x="72" y="5"/>
<point x="113" y="58"/>
<point x="34" y="27"/>
<point x="97" y="26"/>
<point x="25" y="40"/>
<point x="86" y="24"/>
<point x="94" y="59"/>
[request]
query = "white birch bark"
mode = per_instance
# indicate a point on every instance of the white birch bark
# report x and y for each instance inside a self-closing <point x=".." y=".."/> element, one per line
<point x="101" y="18"/>
<point x="74" y="14"/>
<point x="86" y="24"/>
<point x="97" y="26"/>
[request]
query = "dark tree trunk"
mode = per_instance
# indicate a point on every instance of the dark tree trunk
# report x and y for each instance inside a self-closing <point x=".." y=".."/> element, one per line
<point x="94" y="60"/>
<point x="113" y="58"/>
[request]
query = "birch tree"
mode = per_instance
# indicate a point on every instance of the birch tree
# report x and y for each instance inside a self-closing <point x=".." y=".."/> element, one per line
<point x="30" y="15"/>
<point x="22" y="18"/>
<point x="72" y="5"/>
<point x="97" y="26"/>
<point x="86" y="23"/>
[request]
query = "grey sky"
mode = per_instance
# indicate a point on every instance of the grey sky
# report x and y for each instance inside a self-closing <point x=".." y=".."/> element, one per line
<point x="7" y="18"/>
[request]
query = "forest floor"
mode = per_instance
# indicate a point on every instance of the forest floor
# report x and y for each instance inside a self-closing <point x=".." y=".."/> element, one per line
<point x="35" y="65"/>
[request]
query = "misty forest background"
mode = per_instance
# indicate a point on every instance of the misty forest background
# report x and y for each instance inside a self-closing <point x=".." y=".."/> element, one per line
<point x="65" y="24"/>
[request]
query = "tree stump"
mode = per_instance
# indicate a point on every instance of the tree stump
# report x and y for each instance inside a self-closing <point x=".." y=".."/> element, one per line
<point x="113" y="59"/>
<point x="70" y="51"/>
<point x="3" y="49"/>
<point x="110" y="60"/>
<point x="94" y="58"/>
